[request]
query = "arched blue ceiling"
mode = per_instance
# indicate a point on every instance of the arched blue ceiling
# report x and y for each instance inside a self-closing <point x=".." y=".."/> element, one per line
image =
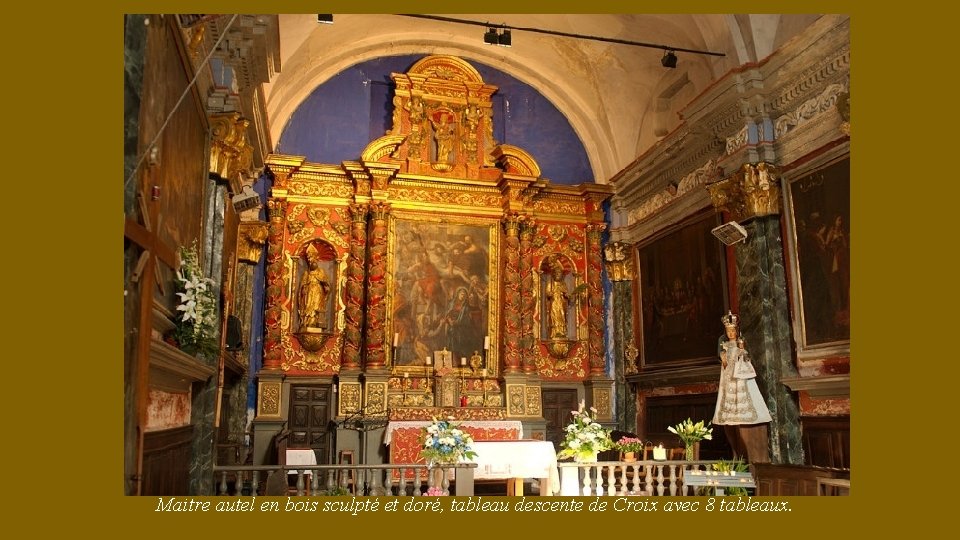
<point x="341" y="116"/>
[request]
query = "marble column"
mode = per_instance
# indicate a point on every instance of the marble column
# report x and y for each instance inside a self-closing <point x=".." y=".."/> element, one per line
<point x="618" y="258"/>
<point x="765" y="325"/>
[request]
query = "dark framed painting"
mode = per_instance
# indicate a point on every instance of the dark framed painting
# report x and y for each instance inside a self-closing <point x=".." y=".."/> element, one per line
<point x="442" y="290"/>
<point x="682" y="295"/>
<point x="818" y="206"/>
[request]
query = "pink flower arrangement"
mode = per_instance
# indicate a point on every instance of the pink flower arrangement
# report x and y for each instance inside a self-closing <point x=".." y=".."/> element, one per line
<point x="434" y="492"/>
<point x="630" y="444"/>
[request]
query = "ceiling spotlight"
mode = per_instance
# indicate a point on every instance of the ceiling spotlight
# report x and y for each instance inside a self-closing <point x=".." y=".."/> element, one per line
<point x="504" y="39"/>
<point x="325" y="18"/>
<point x="669" y="60"/>
<point x="490" y="37"/>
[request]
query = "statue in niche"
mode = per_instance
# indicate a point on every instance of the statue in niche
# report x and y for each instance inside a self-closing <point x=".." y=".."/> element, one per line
<point x="314" y="290"/>
<point x="444" y="130"/>
<point x="557" y="298"/>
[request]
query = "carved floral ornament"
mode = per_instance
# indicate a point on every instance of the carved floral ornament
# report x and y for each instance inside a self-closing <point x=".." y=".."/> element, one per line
<point x="752" y="191"/>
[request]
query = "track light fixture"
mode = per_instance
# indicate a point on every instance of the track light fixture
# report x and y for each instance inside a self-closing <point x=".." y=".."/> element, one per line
<point x="669" y="60"/>
<point x="497" y="37"/>
<point x="325" y="18"/>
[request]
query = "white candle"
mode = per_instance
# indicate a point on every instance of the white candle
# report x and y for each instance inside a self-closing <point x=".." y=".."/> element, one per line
<point x="396" y="338"/>
<point x="486" y="343"/>
<point x="660" y="453"/>
<point x="484" y="372"/>
<point x="463" y="361"/>
<point x="406" y="375"/>
<point x="429" y="360"/>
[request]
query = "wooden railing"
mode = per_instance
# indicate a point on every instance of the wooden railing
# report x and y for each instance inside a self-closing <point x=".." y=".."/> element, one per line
<point x="629" y="478"/>
<point x="372" y="480"/>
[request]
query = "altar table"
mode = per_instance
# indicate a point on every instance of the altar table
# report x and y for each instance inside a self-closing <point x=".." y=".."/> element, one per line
<point x="403" y="437"/>
<point x="516" y="460"/>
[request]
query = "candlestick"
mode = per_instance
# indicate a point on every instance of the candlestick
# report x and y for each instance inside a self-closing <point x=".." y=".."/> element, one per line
<point x="396" y="338"/>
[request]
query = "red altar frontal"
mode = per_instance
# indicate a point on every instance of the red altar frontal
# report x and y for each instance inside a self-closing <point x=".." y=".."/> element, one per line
<point x="483" y="424"/>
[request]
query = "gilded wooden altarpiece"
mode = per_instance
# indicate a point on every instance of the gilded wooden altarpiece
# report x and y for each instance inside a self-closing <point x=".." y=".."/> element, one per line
<point x="436" y="239"/>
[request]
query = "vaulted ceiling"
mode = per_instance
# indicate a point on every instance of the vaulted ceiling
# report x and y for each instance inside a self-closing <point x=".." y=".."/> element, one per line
<point x="618" y="98"/>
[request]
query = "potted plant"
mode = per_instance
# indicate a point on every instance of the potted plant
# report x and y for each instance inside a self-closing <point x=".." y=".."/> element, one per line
<point x="629" y="447"/>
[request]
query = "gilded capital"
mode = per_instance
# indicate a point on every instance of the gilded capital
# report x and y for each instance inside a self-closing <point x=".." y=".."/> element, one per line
<point x="251" y="239"/>
<point x="511" y="224"/>
<point x="619" y="264"/>
<point x="230" y="152"/>
<point x="750" y="192"/>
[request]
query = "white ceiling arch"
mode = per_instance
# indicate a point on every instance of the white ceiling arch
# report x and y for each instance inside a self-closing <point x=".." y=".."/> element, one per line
<point x="606" y="91"/>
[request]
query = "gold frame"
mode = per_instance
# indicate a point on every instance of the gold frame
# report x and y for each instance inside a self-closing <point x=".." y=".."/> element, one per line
<point x="451" y="223"/>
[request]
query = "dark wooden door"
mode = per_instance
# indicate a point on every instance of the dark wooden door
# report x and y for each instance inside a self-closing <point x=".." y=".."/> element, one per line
<point x="308" y="419"/>
<point x="557" y="404"/>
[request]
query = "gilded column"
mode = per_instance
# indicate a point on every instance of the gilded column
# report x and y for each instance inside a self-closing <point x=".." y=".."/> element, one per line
<point x="527" y="297"/>
<point x="377" y="287"/>
<point x="275" y="278"/>
<point x="512" y="328"/>
<point x="595" y="300"/>
<point x="356" y="273"/>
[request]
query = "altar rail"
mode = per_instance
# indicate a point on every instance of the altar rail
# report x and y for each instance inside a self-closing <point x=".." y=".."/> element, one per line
<point x="630" y="478"/>
<point x="372" y="480"/>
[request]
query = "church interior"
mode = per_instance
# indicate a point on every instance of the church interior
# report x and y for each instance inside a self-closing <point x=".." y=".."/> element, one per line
<point x="340" y="227"/>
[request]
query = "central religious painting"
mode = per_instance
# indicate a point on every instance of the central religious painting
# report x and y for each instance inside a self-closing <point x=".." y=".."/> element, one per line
<point x="442" y="284"/>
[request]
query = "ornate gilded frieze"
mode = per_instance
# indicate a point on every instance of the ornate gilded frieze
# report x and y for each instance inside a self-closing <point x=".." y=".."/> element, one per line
<point x="516" y="403"/>
<point x="376" y="398"/>
<point x="268" y="402"/>
<point x="457" y="413"/>
<point x="350" y="394"/>
<point x="534" y="401"/>
<point x="602" y="402"/>
<point x="750" y="192"/>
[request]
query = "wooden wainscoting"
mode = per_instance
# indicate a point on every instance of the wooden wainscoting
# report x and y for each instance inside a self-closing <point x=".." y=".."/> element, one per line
<point x="788" y="480"/>
<point x="166" y="461"/>
<point x="826" y="441"/>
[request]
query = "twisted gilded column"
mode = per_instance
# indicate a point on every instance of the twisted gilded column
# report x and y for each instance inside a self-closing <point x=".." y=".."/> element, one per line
<point x="356" y="273"/>
<point x="511" y="294"/>
<point x="377" y="286"/>
<point x="274" y="297"/>
<point x="595" y="299"/>
<point x="527" y="297"/>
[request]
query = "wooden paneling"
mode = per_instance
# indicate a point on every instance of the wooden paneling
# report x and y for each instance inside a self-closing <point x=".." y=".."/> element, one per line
<point x="557" y="404"/>
<point x="826" y="441"/>
<point x="166" y="461"/>
<point x="308" y="419"/>
<point x="787" y="480"/>
<point x="665" y="411"/>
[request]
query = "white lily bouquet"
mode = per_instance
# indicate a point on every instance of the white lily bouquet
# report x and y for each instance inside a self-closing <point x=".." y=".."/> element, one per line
<point x="585" y="438"/>
<point x="195" y="331"/>
<point x="691" y="433"/>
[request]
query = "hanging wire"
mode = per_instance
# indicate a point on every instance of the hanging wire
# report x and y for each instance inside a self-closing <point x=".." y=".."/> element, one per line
<point x="186" y="90"/>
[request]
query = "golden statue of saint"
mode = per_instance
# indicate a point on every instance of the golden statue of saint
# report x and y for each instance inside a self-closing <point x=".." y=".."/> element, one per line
<point x="314" y="289"/>
<point x="557" y="297"/>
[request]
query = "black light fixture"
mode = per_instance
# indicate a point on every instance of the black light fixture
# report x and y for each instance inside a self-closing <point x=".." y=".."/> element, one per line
<point x="669" y="60"/>
<point x="490" y="37"/>
<point x="504" y="39"/>
<point x="325" y="18"/>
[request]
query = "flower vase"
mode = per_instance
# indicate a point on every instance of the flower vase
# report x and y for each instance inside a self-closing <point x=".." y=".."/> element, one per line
<point x="629" y="457"/>
<point x="587" y="458"/>
<point x="688" y="452"/>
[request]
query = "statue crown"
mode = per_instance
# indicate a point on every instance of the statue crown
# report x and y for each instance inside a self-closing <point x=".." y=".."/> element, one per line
<point x="730" y="320"/>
